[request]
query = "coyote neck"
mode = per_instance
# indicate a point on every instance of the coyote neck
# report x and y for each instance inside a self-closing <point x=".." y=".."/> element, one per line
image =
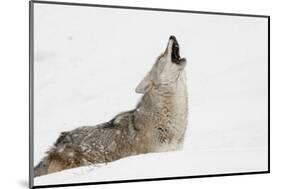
<point x="164" y="116"/>
<point x="161" y="99"/>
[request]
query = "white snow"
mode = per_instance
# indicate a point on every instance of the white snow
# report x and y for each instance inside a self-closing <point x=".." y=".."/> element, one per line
<point x="89" y="60"/>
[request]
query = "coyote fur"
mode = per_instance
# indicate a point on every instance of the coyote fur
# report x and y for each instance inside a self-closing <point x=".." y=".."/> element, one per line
<point x="157" y="124"/>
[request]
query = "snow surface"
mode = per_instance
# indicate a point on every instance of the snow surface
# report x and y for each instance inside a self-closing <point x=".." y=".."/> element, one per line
<point x="89" y="60"/>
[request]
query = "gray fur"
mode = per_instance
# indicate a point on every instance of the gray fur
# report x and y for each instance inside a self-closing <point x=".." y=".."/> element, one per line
<point x="157" y="124"/>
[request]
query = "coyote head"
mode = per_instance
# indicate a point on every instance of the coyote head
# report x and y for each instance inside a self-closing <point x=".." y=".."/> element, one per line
<point x="166" y="71"/>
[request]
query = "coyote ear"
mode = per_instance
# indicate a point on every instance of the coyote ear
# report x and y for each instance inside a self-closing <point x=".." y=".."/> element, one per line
<point x="144" y="86"/>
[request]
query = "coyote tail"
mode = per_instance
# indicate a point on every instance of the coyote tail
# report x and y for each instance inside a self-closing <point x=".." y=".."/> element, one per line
<point x="42" y="167"/>
<point x="47" y="166"/>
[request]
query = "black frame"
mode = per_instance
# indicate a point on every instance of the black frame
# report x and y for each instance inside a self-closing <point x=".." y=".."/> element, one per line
<point x="31" y="91"/>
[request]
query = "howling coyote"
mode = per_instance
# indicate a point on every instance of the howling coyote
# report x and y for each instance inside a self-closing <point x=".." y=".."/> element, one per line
<point x="157" y="124"/>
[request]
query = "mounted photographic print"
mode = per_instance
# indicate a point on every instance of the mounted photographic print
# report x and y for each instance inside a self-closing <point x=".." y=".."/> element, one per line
<point x="124" y="94"/>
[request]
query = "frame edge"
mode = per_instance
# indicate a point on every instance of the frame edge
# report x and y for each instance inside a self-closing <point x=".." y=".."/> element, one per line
<point x="150" y="9"/>
<point x="31" y="95"/>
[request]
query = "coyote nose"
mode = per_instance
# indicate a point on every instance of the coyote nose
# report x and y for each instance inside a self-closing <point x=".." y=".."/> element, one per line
<point x="173" y="37"/>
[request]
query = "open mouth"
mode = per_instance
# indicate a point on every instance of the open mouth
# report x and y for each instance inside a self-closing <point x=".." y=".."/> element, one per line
<point x="175" y="55"/>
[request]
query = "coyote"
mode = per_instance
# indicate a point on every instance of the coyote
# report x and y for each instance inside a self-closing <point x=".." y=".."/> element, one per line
<point x="157" y="124"/>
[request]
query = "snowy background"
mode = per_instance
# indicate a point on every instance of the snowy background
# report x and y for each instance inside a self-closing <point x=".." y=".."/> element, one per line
<point x="89" y="60"/>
